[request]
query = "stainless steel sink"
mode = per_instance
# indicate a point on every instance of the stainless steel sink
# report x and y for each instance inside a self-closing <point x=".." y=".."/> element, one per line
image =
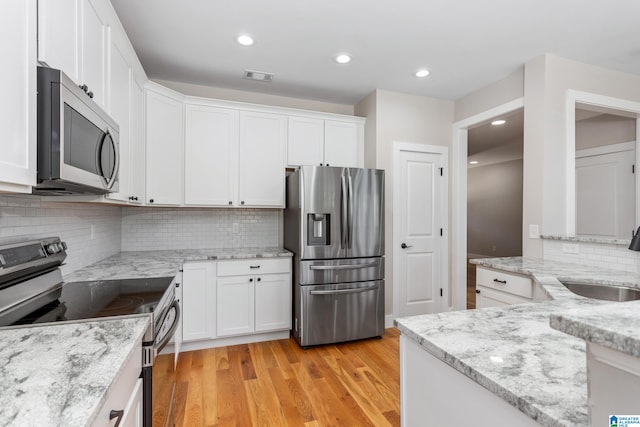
<point x="603" y="292"/>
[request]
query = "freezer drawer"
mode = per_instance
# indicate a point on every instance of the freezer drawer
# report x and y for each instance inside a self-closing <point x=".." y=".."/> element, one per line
<point x="323" y="272"/>
<point x="340" y="312"/>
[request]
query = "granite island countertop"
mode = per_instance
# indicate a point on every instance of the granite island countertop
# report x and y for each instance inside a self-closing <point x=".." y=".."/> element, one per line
<point x="513" y="351"/>
<point x="164" y="263"/>
<point x="61" y="374"/>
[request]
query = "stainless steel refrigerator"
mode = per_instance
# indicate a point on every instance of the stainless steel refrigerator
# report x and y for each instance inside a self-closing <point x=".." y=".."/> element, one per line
<point x="334" y="225"/>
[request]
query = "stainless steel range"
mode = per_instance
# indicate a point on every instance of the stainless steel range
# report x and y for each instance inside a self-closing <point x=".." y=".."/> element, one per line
<point x="32" y="292"/>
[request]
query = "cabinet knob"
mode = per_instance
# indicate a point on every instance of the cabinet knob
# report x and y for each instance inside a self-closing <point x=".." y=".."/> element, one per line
<point x="251" y="280"/>
<point x="130" y="197"/>
<point x="90" y="94"/>
<point x="477" y="291"/>
<point x="328" y="164"/>
<point x="177" y="285"/>
<point x="242" y="202"/>
<point x="150" y="200"/>
<point x="259" y="279"/>
<point x="230" y="202"/>
<point x="135" y="198"/>
<point x="84" y="88"/>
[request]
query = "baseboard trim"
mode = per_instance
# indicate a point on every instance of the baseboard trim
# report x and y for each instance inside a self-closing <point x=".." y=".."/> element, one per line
<point x="388" y="321"/>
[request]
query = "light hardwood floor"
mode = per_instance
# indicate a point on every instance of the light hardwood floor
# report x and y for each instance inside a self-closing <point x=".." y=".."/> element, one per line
<point x="277" y="383"/>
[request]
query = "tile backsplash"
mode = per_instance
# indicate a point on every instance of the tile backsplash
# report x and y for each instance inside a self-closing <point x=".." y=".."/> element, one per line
<point x="605" y="255"/>
<point x="91" y="231"/>
<point x="196" y="228"/>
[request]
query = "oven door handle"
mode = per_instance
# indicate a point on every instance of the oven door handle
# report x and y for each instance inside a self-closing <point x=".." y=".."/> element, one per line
<point x="169" y="334"/>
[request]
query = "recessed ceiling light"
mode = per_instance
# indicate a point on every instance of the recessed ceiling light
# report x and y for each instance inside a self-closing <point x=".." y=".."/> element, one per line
<point x="343" y="58"/>
<point x="245" y="40"/>
<point x="473" y="162"/>
<point x="422" y="73"/>
<point x="498" y="122"/>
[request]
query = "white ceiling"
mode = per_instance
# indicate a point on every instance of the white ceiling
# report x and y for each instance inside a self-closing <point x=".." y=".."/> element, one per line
<point x="467" y="44"/>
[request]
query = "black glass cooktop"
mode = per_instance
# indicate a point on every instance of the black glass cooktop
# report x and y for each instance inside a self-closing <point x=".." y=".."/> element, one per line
<point x="101" y="298"/>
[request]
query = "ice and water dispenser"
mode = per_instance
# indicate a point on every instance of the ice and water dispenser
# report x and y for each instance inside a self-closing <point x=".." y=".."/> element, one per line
<point x="318" y="229"/>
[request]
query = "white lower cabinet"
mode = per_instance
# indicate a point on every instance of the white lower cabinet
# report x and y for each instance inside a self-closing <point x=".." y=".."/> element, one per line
<point x="198" y="301"/>
<point x="242" y="298"/>
<point x="496" y="288"/>
<point x="255" y="302"/>
<point x="124" y="400"/>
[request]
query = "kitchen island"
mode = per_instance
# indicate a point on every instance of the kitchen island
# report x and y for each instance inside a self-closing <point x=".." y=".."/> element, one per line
<point x="510" y="352"/>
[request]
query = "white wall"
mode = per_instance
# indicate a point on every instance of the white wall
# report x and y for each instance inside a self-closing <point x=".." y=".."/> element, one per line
<point x="145" y="229"/>
<point x="256" y="98"/>
<point x="547" y="80"/>
<point x="26" y="217"/>
<point x="494" y="209"/>
<point x="605" y="129"/>
<point x="404" y="118"/>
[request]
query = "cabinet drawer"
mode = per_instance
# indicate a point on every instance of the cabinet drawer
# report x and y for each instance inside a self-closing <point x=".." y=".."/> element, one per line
<point x="489" y="297"/>
<point x="239" y="267"/>
<point x="505" y="282"/>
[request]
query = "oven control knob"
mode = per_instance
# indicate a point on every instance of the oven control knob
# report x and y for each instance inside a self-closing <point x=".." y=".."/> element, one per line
<point x="52" y="248"/>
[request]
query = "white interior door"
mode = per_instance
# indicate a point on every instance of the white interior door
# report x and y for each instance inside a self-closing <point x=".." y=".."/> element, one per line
<point x="605" y="194"/>
<point x="420" y="203"/>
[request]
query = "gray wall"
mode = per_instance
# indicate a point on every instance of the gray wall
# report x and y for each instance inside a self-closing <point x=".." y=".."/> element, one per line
<point x="494" y="209"/>
<point x="604" y="130"/>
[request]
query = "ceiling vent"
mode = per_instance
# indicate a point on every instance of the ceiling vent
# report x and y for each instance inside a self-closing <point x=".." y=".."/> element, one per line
<point x="259" y="76"/>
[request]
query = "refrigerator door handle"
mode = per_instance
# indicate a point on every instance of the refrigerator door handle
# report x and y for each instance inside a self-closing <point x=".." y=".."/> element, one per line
<point x="350" y="214"/>
<point x="345" y="291"/>
<point x="344" y="226"/>
<point x="343" y="266"/>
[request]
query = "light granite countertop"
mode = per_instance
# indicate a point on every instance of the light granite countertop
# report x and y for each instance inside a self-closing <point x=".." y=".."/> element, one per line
<point x="515" y="353"/>
<point x="165" y="263"/>
<point x="61" y="374"/>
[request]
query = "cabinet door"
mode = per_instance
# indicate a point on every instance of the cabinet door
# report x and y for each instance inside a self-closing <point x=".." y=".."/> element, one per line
<point x="262" y="163"/>
<point x="93" y="46"/>
<point x="235" y="305"/>
<point x="133" y="415"/>
<point x="211" y="140"/>
<point x="18" y="101"/>
<point x="490" y="298"/>
<point x="120" y="111"/>
<point x="164" y="149"/>
<point x="273" y="302"/>
<point x="305" y="144"/>
<point x="342" y="143"/>
<point x="198" y="301"/>
<point x="136" y="145"/>
<point x="58" y="35"/>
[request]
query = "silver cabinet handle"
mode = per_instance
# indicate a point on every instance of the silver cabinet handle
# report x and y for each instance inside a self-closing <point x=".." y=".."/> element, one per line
<point x="345" y="291"/>
<point x="343" y="266"/>
<point x="502" y="282"/>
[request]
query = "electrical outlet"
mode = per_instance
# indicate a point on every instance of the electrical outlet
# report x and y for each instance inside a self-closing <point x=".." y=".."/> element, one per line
<point x="235" y="227"/>
<point x="571" y="248"/>
<point x="534" y="231"/>
<point x="493" y="248"/>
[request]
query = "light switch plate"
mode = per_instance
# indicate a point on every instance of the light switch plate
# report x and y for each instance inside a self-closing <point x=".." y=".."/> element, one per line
<point x="534" y="231"/>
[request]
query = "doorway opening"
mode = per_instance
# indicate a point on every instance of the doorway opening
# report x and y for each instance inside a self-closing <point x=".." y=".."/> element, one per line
<point x="460" y="165"/>
<point x="494" y="191"/>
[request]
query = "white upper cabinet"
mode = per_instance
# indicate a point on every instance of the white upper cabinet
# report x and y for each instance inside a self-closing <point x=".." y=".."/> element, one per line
<point x="263" y="138"/>
<point x="306" y="141"/>
<point x="211" y="153"/>
<point x="343" y="143"/>
<point x="136" y="145"/>
<point x="73" y="37"/>
<point x="18" y="101"/>
<point x="164" y="148"/>
<point x="234" y="157"/>
<point x="317" y="141"/>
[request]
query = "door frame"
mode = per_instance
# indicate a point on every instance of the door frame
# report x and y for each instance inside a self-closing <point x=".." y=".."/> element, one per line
<point x="444" y="215"/>
<point x="459" y="198"/>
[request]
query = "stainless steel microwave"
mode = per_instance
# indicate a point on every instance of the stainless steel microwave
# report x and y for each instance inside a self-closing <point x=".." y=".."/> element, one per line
<point x="78" y="143"/>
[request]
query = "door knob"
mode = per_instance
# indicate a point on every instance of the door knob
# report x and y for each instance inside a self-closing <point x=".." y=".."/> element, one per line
<point x="405" y="246"/>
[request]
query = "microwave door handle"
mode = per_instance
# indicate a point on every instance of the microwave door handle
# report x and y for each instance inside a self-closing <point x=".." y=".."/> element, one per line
<point x="111" y="179"/>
